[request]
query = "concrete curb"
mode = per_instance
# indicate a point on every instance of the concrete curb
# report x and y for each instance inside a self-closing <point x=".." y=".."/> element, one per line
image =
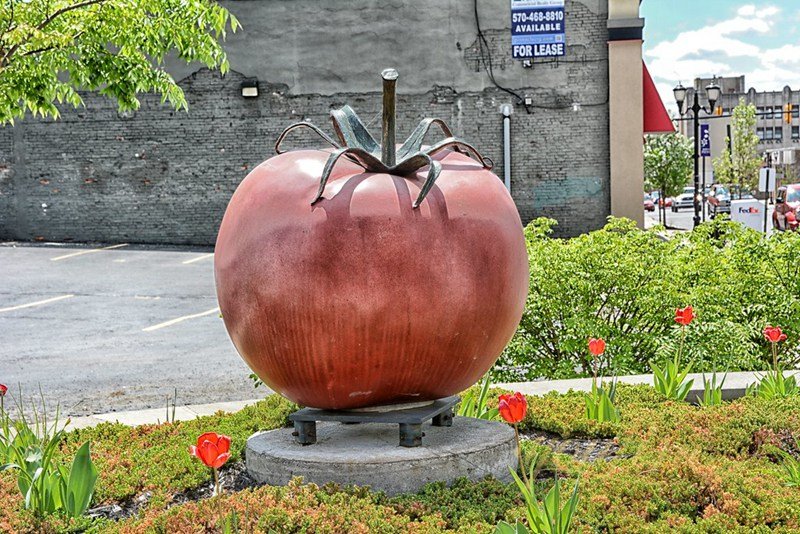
<point x="735" y="386"/>
<point x="158" y="415"/>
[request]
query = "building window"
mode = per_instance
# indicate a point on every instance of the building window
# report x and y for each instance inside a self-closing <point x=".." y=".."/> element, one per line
<point x="795" y="132"/>
<point x="760" y="133"/>
<point x="768" y="134"/>
<point x="760" y="113"/>
<point x="779" y="133"/>
<point x="796" y="111"/>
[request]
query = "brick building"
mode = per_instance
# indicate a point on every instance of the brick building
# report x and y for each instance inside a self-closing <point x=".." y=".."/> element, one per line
<point x="163" y="176"/>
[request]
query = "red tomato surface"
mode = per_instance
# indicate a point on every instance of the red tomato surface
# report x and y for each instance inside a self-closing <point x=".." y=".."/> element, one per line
<point x="360" y="300"/>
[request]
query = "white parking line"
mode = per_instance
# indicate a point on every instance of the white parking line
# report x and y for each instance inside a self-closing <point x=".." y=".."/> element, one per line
<point x="37" y="303"/>
<point x="179" y="320"/>
<point x="198" y="258"/>
<point x="89" y="251"/>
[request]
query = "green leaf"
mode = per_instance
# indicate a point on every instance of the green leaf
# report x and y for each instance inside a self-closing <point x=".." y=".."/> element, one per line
<point x="505" y="528"/>
<point x="82" y="478"/>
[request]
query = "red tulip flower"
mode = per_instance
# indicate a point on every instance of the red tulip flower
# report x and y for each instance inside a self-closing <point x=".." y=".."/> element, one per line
<point x="3" y="390"/>
<point x="597" y="346"/>
<point x="774" y="334"/>
<point x="213" y="450"/>
<point x="513" y="407"/>
<point x="684" y="316"/>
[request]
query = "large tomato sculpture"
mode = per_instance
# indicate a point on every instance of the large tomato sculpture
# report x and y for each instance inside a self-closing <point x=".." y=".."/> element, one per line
<point x="347" y="280"/>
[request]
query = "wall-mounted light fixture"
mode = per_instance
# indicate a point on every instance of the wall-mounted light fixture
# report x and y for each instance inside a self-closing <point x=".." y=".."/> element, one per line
<point x="250" y="88"/>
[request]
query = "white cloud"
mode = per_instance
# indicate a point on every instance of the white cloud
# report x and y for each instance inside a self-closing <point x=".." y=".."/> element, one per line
<point x="725" y="48"/>
<point x="769" y="11"/>
<point x="785" y="54"/>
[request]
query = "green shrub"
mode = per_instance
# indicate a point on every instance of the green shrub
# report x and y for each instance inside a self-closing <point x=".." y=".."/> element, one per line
<point x="623" y="284"/>
<point x="463" y="504"/>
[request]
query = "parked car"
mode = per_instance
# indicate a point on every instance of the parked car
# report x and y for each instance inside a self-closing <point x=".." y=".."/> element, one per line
<point x="656" y="196"/>
<point x="649" y="205"/>
<point x="739" y="193"/>
<point x="787" y="200"/>
<point x="684" y="200"/>
<point x="791" y="195"/>
<point x="718" y="200"/>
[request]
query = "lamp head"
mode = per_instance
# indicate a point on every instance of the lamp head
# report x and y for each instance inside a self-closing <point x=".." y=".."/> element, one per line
<point x="713" y="92"/>
<point x="680" y="96"/>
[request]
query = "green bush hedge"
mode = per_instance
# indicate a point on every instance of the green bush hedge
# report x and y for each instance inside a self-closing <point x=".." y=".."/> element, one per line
<point x="624" y="284"/>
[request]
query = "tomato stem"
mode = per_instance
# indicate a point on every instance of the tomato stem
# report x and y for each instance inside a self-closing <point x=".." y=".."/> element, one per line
<point x="388" y="142"/>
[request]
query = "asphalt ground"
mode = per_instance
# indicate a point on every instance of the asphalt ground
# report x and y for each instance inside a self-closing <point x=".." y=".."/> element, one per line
<point x="684" y="218"/>
<point x="115" y="328"/>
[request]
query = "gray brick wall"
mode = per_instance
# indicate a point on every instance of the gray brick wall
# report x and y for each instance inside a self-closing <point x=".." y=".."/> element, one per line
<point x="164" y="176"/>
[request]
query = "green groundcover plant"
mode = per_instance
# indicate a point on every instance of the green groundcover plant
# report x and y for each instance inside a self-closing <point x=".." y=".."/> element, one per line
<point x="623" y="284"/>
<point x="29" y="450"/>
<point x="680" y="468"/>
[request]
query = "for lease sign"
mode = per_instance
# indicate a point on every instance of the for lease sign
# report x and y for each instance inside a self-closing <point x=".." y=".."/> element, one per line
<point x="537" y="28"/>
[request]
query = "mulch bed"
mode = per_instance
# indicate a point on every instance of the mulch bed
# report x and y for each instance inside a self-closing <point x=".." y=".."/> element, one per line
<point x="583" y="449"/>
<point x="233" y="478"/>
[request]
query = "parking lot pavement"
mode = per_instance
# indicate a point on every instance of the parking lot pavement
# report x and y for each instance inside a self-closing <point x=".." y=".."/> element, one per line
<point x="115" y="328"/>
<point x="684" y="219"/>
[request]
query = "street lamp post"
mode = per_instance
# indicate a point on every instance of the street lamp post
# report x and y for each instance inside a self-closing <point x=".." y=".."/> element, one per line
<point x="713" y="92"/>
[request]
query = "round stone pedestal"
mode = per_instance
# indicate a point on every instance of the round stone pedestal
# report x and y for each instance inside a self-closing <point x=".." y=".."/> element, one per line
<point x="367" y="454"/>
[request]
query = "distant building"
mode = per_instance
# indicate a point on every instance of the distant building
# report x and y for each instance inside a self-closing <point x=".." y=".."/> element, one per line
<point x="777" y="121"/>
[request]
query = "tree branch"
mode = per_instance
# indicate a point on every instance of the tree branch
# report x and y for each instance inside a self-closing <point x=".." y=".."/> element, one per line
<point x="39" y="50"/>
<point x="66" y="9"/>
<point x="8" y="29"/>
<point x="11" y="51"/>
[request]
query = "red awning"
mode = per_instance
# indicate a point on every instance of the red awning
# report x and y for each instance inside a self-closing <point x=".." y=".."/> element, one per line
<point x="656" y="118"/>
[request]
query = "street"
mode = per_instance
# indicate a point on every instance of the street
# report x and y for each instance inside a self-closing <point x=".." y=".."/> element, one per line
<point x="115" y="328"/>
<point x="683" y="219"/>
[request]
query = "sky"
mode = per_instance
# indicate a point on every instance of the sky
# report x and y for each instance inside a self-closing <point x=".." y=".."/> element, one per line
<point x="686" y="39"/>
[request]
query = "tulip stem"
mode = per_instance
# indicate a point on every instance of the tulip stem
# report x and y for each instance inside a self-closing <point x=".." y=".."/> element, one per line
<point x="775" y="356"/>
<point x="218" y="497"/>
<point x="519" y="455"/>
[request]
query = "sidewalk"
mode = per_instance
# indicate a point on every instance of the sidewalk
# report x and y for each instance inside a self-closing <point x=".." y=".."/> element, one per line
<point x="735" y="386"/>
<point x="159" y="415"/>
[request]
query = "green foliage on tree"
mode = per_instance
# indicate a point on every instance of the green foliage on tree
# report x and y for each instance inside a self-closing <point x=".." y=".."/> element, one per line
<point x="668" y="162"/>
<point x="51" y="49"/>
<point x="624" y="284"/>
<point x="740" y="164"/>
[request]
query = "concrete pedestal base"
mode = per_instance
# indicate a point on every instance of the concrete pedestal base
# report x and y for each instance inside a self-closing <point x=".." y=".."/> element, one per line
<point x="368" y="455"/>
